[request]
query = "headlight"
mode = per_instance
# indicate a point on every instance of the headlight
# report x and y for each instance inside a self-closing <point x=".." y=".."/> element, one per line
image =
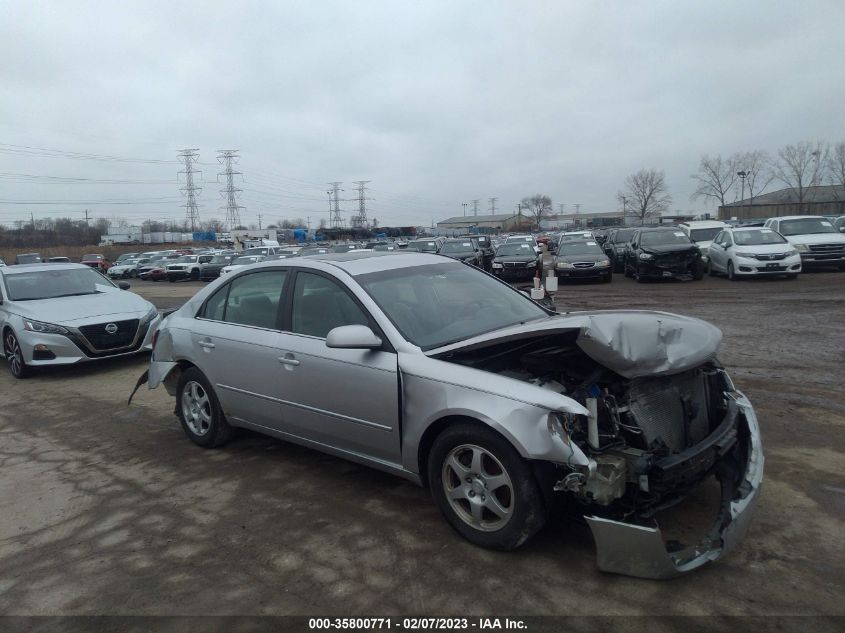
<point x="150" y="316"/>
<point x="646" y="256"/>
<point x="603" y="262"/>
<point x="495" y="265"/>
<point x="791" y="251"/>
<point x="801" y="248"/>
<point x="43" y="328"/>
<point x="531" y="264"/>
<point x="564" y="265"/>
<point x="744" y="254"/>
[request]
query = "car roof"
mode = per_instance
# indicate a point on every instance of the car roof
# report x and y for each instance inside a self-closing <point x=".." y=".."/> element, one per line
<point x="799" y="217"/>
<point x="52" y="266"/>
<point x="703" y="224"/>
<point x="361" y="262"/>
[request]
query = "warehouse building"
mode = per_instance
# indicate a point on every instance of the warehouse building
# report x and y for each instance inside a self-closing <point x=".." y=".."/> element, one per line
<point x="491" y="223"/>
<point x="820" y="200"/>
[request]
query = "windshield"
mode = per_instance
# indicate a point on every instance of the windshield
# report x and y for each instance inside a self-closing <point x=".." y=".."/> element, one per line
<point x="704" y="235"/>
<point x="805" y="226"/>
<point x="184" y="260"/>
<point x="456" y="247"/>
<point x="343" y="248"/>
<point x="520" y="238"/>
<point x="219" y="259"/>
<point x="439" y="304"/>
<point x="623" y="235"/>
<point x="579" y="248"/>
<point x="576" y="237"/>
<point x="423" y="246"/>
<point x="515" y="249"/>
<point x="247" y="259"/>
<point x="657" y="238"/>
<point x="384" y="247"/>
<point x="49" y="284"/>
<point x="92" y="258"/>
<point x="312" y="251"/>
<point x="754" y="238"/>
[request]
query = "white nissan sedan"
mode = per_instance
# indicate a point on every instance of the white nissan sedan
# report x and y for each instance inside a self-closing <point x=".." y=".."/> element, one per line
<point x="61" y="314"/>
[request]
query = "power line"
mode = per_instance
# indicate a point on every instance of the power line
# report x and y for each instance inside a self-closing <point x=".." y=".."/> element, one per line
<point x="192" y="213"/>
<point x="228" y="157"/>
<point x="58" y="153"/>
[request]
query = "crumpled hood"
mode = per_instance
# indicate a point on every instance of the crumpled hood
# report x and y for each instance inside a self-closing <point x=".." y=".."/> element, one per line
<point x="633" y="343"/>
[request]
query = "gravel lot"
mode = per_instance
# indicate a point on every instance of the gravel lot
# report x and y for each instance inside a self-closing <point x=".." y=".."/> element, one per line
<point x="109" y="509"/>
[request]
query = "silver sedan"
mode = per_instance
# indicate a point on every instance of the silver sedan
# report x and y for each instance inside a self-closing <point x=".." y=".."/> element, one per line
<point x="427" y="368"/>
<point x="61" y="314"/>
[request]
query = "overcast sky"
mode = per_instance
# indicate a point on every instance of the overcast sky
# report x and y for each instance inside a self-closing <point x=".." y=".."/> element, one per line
<point x="437" y="103"/>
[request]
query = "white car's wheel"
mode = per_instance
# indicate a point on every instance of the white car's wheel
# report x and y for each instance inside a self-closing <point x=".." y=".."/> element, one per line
<point x="731" y="273"/>
<point x="14" y="355"/>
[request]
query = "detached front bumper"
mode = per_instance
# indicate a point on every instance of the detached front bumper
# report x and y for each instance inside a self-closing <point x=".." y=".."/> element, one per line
<point x="640" y="551"/>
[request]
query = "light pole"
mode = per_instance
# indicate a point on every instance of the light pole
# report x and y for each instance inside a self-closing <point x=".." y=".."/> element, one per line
<point x="464" y="204"/>
<point x="743" y="175"/>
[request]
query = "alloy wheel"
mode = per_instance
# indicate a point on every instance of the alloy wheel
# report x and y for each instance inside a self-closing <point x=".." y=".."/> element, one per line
<point x="478" y="487"/>
<point x="196" y="408"/>
<point x="13" y="354"/>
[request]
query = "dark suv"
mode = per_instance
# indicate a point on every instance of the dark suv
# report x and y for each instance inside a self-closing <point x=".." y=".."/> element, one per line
<point x="661" y="253"/>
<point x="614" y="247"/>
<point x="463" y="249"/>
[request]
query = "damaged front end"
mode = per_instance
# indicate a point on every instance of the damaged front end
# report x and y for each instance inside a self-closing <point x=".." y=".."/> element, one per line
<point x="652" y="440"/>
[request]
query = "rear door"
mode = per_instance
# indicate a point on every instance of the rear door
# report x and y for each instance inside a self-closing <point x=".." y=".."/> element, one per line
<point x="343" y="398"/>
<point x="236" y="338"/>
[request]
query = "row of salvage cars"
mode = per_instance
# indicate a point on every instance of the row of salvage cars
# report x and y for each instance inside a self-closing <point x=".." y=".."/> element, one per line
<point x="437" y="372"/>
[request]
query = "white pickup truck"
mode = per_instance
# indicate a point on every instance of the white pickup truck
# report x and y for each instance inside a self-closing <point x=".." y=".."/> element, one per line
<point x="814" y="237"/>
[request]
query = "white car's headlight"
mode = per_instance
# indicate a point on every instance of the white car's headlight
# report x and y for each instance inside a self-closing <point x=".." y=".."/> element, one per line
<point x="43" y="328"/>
<point x="151" y="315"/>
<point x="744" y="254"/>
<point x="801" y="248"/>
<point x="791" y="251"/>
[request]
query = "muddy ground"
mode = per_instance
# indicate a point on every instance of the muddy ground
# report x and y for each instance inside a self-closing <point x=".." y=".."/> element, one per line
<point x="109" y="509"/>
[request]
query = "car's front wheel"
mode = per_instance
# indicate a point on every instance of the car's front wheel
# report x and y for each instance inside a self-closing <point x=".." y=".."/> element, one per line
<point x="199" y="410"/>
<point x="14" y="355"/>
<point x="484" y="488"/>
<point x="731" y="272"/>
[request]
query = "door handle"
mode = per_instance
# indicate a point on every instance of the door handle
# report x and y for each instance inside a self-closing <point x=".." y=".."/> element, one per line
<point x="288" y="359"/>
<point x="206" y="344"/>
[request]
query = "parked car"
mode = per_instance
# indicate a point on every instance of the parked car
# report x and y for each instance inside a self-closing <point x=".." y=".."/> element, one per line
<point x="186" y="267"/>
<point x="59" y="260"/>
<point x="450" y="378"/>
<point x="2" y="263"/>
<point x="313" y="250"/>
<point x="96" y="261"/>
<point x="62" y="314"/>
<point x="661" y="253"/>
<point x="582" y="259"/>
<point x="425" y="246"/>
<point x="28" y="258"/>
<point x="614" y="247"/>
<point x="701" y="233"/>
<point x="463" y="249"/>
<point x="516" y="261"/>
<point x="528" y="239"/>
<point x="344" y="248"/>
<point x="748" y="251"/>
<point x="487" y="251"/>
<point x="385" y="246"/>
<point x="839" y="224"/>
<point x="126" y="256"/>
<point x="153" y="272"/>
<point x="814" y="237"/>
<point x="127" y="268"/>
<point x="240" y="262"/>
<point x="211" y="269"/>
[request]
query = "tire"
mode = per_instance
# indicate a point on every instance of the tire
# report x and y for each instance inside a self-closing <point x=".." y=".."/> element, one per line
<point x="698" y="271"/>
<point x="640" y="279"/>
<point x="133" y="273"/>
<point x="731" y="274"/>
<point x="14" y="356"/>
<point x="171" y="279"/>
<point x="199" y="411"/>
<point x="195" y="274"/>
<point x="467" y="459"/>
<point x="842" y="268"/>
<point x="607" y="279"/>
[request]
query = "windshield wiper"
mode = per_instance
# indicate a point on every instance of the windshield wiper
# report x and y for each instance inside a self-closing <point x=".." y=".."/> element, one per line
<point x="72" y="294"/>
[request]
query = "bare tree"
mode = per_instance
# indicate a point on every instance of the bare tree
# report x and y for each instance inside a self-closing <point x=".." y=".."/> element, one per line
<point x="715" y="178"/>
<point x="758" y="175"/>
<point x="645" y="194"/>
<point x="836" y="169"/>
<point x="538" y="206"/>
<point x="800" y="167"/>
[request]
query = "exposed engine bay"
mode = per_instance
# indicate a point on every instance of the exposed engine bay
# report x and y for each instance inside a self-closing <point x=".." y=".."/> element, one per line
<point x="651" y="440"/>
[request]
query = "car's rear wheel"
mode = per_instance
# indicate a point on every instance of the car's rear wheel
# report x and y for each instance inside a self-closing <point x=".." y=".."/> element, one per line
<point x="484" y="488"/>
<point x="14" y="355"/>
<point x="199" y="410"/>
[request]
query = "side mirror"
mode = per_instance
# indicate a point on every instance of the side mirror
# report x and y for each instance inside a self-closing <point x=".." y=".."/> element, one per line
<point x="352" y="337"/>
<point x="124" y="285"/>
<point x="842" y="230"/>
